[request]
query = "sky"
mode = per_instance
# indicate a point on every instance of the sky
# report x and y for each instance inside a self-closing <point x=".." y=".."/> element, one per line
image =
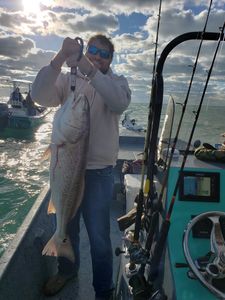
<point x="32" y="31"/>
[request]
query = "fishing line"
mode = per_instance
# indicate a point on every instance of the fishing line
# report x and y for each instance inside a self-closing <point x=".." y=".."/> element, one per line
<point x="73" y="71"/>
<point x="140" y="201"/>
<point x="158" y="250"/>
<point x="165" y="179"/>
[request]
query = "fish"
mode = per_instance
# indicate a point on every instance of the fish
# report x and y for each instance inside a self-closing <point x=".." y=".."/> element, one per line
<point x="68" y="149"/>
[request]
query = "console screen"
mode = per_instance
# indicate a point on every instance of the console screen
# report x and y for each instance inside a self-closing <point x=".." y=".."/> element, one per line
<point x="196" y="186"/>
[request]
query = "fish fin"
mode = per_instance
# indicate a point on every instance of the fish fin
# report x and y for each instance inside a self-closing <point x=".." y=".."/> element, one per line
<point x="46" y="154"/>
<point x="57" y="247"/>
<point x="51" y="208"/>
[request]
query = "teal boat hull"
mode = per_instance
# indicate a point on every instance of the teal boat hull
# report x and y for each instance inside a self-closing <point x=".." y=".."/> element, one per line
<point x="22" y="126"/>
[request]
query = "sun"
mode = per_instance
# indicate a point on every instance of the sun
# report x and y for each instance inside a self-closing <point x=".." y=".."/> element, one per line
<point x="34" y="6"/>
<point x="31" y="6"/>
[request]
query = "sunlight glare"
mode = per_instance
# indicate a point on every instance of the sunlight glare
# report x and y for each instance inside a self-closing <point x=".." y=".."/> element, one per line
<point x="31" y="6"/>
<point x="34" y="6"/>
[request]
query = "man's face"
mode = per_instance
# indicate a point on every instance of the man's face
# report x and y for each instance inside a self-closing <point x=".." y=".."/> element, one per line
<point x="97" y="54"/>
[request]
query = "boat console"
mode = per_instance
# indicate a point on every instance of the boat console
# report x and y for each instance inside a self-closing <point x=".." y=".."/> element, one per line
<point x="198" y="219"/>
<point x="199" y="208"/>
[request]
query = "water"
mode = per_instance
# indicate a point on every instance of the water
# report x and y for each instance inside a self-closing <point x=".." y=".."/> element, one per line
<point x="210" y="124"/>
<point x="23" y="174"/>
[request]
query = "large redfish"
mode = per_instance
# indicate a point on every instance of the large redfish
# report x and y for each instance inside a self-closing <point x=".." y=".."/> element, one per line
<point x="69" y="146"/>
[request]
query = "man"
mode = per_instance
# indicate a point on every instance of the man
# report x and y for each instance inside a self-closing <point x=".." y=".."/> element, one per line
<point x="108" y="95"/>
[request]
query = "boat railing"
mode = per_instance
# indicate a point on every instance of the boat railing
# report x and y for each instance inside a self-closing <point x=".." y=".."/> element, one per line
<point x="23" y="255"/>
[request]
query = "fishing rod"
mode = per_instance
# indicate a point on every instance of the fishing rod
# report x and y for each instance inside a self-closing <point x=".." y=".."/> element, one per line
<point x="160" y="245"/>
<point x="140" y="200"/>
<point x="184" y="106"/>
<point x="137" y="253"/>
<point x="135" y="249"/>
<point x="157" y="37"/>
<point x="156" y="206"/>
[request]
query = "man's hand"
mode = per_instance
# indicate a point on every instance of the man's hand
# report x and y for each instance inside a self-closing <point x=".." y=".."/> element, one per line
<point x="70" y="47"/>
<point x="71" y="51"/>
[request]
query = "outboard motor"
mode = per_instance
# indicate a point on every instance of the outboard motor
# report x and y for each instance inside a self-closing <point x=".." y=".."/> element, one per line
<point x="4" y="115"/>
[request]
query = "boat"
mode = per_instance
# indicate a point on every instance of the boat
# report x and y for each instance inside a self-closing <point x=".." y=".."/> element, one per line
<point x="131" y="124"/>
<point x="167" y="245"/>
<point x="20" y="116"/>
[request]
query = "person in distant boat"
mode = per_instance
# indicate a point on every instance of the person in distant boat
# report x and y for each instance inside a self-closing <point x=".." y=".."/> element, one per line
<point x="109" y="96"/>
<point x="133" y="121"/>
<point x="30" y="105"/>
<point x="16" y="98"/>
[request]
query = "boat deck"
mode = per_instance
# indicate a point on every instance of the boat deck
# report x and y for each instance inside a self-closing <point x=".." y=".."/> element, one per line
<point x="23" y="270"/>
<point x="81" y="288"/>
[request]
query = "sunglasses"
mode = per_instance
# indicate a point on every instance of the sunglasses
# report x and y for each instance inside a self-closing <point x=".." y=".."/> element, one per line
<point x="102" y="52"/>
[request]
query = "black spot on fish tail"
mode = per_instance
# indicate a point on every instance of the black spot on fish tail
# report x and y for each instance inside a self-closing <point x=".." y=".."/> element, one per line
<point x="64" y="241"/>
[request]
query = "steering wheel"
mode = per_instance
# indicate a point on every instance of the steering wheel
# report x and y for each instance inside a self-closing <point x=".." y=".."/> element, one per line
<point x="215" y="266"/>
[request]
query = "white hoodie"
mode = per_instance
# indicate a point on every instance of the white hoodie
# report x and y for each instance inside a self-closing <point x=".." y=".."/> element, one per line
<point x="108" y="95"/>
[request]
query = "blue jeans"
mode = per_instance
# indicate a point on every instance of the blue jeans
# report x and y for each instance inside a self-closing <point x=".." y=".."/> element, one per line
<point x="95" y="209"/>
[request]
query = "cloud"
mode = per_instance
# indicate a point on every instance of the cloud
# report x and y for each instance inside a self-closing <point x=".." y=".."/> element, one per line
<point x="15" y="47"/>
<point x="176" y="22"/>
<point x="116" y="6"/>
<point x="16" y="22"/>
<point x="29" y="41"/>
<point x="18" y="58"/>
<point x="59" y="23"/>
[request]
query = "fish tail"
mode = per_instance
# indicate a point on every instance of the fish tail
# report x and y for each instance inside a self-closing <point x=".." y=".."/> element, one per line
<point x="58" y="247"/>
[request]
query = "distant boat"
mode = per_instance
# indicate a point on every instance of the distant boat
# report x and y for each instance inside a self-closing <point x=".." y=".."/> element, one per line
<point x="131" y="124"/>
<point x="20" y="115"/>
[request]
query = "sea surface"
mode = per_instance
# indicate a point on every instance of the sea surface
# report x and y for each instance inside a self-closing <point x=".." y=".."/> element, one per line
<point x="23" y="173"/>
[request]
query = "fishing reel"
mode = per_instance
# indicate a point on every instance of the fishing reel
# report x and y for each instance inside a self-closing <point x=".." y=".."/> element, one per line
<point x="138" y="256"/>
<point x="140" y="288"/>
<point x="133" y="249"/>
<point x="143" y="290"/>
<point x="210" y="270"/>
